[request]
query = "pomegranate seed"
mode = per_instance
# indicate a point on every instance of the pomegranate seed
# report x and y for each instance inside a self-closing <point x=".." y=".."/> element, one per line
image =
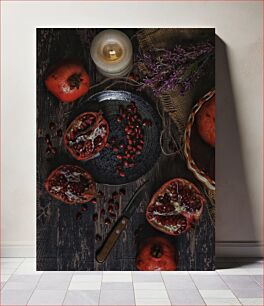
<point x="52" y="125"/>
<point x="145" y="122"/>
<point x="122" y="191"/>
<point x="112" y="215"/>
<point x="110" y="208"/>
<point x="115" y="149"/>
<point x="121" y="173"/>
<point x="115" y="195"/>
<point x="107" y="221"/>
<point x="122" y="146"/>
<point x="78" y="215"/>
<point x="119" y="157"/>
<point x="98" y="237"/>
<point x="119" y="119"/>
<point x="116" y="205"/>
<point x="59" y="133"/>
<point x="95" y="217"/>
<point x="84" y="207"/>
<point x="126" y="164"/>
<point x="121" y="109"/>
<point x="100" y="193"/>
<point x="93" y="201"/>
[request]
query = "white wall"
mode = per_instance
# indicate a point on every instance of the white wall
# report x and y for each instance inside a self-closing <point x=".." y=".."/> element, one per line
<point x="239" y="98"/>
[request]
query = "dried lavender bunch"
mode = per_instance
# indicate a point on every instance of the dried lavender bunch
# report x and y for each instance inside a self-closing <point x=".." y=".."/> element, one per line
<point x="181" y="67"/>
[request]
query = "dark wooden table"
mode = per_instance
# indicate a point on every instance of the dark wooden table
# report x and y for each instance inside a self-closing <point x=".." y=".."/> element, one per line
<point x="66" y="242"/>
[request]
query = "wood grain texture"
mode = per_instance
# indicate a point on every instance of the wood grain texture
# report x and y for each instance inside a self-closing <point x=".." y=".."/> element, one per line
<point x="66" y="244"/>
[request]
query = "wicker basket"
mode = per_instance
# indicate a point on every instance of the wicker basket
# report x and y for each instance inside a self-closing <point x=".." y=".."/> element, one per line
<point x="199" y="174"/>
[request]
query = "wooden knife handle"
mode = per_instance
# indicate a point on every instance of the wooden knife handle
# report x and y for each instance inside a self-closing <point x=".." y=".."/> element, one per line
<point x="111" y="239"/>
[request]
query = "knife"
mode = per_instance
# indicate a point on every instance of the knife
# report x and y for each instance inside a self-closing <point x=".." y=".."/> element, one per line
<point x="120" y="225"/>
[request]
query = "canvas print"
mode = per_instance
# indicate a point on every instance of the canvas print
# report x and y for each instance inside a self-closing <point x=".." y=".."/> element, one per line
<point x="125" y="149"/>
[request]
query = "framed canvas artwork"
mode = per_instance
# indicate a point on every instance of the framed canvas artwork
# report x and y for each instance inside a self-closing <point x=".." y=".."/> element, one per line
<point x="125" y="149"/>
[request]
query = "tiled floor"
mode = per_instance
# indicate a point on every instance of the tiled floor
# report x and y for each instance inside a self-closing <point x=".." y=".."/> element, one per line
<point x="236" y="282"/>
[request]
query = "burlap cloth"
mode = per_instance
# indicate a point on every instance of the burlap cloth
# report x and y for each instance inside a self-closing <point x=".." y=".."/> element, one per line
<point x="176" y="106"/>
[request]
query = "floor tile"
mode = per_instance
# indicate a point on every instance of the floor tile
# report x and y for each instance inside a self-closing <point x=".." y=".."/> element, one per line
<point x="209" y="282"/>
<point x="117" y="286"/>
<point x="254" y="271"/>
<point x="117" y="277"/>
<point x="139" y="276"/>
<point x="47" y="297"/>
<point x="179" y="282"/>
<point x="20" y="285"/>
<point x="248" y="293"/>
<point x="87" y="272"/>
<point x="120" y="297"/>
<point x="252" y="301"/>
<point x="174" y="273"/>
<point x="151" y="294"/>
<point x="80" y="297"/>
<point x="54" y="281"/>
<point x="240" y="282"/>
<point x="30" y="260"/>
<point x="258" y="279"/>
<point x="217" y="294"/>
<point x="159" y="302"/>
<point x="85" y="286"/>
<point x="220" y="302"/>
<point x="205" y="273"/>
<point x="185" y="297"/>
<point x="27" y="268"/>
<point x="149" y="286"/>
<point x="24" y="278"/>
<point x="5" y="277"/>
<point x="87" y="278"/>
<point x="15" y="297"/>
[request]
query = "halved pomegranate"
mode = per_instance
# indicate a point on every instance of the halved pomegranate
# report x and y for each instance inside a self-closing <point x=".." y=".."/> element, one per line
<point x="71" y="184"/>
<point x="86" y="135"/>
<point x="175" y="207"/>
<point x="157" y="254"/>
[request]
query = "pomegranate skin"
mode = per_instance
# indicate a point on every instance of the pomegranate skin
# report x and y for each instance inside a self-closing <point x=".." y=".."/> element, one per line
<point x="157" y="254"/>
<point x="206" y="122"/>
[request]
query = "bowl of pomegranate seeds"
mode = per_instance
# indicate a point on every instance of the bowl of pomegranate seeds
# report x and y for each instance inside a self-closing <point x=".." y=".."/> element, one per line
<point x="133" y="138"/>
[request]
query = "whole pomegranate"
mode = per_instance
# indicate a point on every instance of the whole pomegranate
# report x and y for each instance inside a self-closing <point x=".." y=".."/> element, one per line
<point x="206" y="122"/>
<point x="175" y="207"/>
<point x="156" y="254"/>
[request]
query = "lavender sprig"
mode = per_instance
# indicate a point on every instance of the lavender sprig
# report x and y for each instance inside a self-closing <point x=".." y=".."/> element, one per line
<point x="180" y="67"/>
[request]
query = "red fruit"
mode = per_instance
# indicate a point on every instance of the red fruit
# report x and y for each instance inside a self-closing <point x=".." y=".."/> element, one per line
<point x="68" y="81"/>
<point x="71" y="185"/>
<point x="175" y="207"/>
<point x="157" y="254"/>
<point x="86" y="135"/>
<point x="206" y="122"/>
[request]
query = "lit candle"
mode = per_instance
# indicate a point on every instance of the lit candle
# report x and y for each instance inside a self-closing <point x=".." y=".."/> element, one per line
<point x="111" y="51"/>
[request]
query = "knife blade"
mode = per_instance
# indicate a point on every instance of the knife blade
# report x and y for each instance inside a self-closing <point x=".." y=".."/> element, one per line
<point x="121" y="224"/>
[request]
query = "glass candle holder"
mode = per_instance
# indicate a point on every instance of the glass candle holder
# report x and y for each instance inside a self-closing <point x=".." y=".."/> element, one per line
<point x="112" y="51"/>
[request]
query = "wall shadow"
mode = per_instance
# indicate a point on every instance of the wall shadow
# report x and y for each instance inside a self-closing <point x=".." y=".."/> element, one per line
<point x="234" y="215"/>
